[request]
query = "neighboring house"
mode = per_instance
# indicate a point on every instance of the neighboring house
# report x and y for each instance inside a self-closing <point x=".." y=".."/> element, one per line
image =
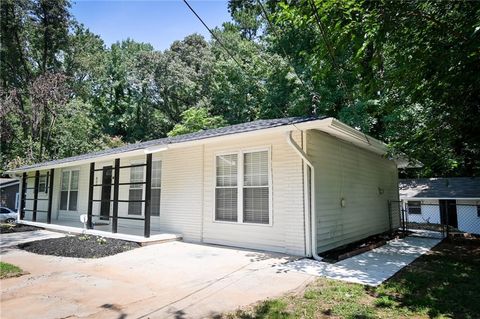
<point x="455" y="201"/>
<point x="9" y="193"/>
<point x="255" y="185"/>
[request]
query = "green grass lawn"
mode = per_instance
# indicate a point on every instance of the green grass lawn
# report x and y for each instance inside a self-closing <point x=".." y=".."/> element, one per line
<point x="8" y="270"/>
<point x="442" y="284"/>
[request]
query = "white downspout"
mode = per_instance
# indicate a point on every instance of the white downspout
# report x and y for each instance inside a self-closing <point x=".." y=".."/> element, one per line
<point x="311" y="217"/>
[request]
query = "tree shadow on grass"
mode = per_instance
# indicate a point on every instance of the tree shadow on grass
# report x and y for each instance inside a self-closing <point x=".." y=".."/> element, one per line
<point x="444" y="282"/>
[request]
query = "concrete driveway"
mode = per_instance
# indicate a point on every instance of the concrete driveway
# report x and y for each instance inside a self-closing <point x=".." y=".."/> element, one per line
<point x="169" y="280"/>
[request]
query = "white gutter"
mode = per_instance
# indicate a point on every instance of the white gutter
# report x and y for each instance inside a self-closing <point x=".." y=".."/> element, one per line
<point x="155" y="149"/>
<point x="311" y="213"/>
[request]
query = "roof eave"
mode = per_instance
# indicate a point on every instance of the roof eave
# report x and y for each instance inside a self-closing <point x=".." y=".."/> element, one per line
<point x="329" y="125"/>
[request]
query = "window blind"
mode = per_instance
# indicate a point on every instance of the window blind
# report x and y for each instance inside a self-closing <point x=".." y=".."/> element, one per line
<point x="256" y="188"/>
<point x="226" y="193"/>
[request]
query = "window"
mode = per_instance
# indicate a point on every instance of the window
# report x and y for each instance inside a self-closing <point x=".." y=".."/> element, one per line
<point x="69" y="190"/>
<point x="136" y="191"/>
<point x="42" y="184"/>
<point x="243" y="184"/>
<point x="414" y="207"/>
<point x="226" y="192"/>
<point x="255" y="188"/>
<point x="156" y="187"/>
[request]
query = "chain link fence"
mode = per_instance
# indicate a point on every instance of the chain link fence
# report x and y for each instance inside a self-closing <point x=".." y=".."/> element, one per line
<point x="437" y="219"/>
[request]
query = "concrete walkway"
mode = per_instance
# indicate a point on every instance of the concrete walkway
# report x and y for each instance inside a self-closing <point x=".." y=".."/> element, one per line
<point x="372" y="267"/>
<point x="168" y="280"/>
<point x="13" y="239"/>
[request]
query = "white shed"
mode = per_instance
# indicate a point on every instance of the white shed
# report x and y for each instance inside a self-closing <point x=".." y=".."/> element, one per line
<point x="454" y="201"/>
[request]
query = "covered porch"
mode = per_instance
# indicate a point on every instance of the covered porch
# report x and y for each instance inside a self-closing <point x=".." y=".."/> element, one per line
<point x="47" y="199"/>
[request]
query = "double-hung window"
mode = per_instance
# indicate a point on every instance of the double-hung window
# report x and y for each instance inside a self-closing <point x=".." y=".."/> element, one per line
<point x="135" y="191"/>
<point x="243" y="185"/>
<point x="156" y="187"/>
<point x="69" y="190"/>
<point x="226" y="191"/>
<point x="42" y="184"/>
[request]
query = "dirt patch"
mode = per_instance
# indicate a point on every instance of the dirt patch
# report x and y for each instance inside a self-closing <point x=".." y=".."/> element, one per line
<point x="16" y="228"/>
<point x="83" y="246"/>
<point x="360" y="246"/>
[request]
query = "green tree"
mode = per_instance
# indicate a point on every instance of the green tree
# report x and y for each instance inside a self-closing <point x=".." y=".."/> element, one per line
<point x="196" y="119"/>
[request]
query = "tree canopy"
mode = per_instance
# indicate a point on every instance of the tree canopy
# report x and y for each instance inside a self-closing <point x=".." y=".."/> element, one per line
<point x="405" y="72"/>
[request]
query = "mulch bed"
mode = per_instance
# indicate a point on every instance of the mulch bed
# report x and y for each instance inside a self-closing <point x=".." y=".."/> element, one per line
<point x="359" y="247"/>
<point x="16" y="228"/>
<point x="81" y="246"/>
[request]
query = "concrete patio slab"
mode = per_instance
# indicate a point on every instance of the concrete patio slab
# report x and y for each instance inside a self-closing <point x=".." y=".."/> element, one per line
<point x="169" y="280"/>
<point x="370" y="268"/>
<point x="153" y="239"/>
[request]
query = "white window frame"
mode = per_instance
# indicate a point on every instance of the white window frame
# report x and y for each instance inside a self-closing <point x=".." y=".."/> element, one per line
<point x="157" y="187"/>
<point x="70" y="172"/>
<point x="240" y="185"/>
<point x="144" y="169"/>
<point x="44" y="182"/>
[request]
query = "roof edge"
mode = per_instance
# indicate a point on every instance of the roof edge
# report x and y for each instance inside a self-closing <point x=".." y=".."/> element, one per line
<point x="329" y="125"/>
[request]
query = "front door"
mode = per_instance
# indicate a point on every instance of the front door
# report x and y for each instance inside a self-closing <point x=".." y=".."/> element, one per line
<point x="106" y="192"/>
<point x="448" y="207"/>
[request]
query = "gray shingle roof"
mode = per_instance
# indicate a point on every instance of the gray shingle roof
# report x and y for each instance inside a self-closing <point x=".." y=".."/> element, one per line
<point x="227" y="130"/>
<point x="455" y="187"/>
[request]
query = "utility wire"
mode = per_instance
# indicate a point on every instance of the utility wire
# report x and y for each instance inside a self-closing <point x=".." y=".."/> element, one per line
<point x="323" y="33"/>
<point x="213" y="34"/>
<point x="230" y="54"/>
<point x="315" y="96"/>
<point x="283" y="49"/>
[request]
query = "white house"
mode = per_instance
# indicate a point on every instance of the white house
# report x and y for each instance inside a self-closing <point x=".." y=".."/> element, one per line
<point x="295" y="185"/>
<point x="454" y="201"/>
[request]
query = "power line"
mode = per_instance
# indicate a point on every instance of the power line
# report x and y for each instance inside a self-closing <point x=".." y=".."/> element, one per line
<point x="229" y="53"/>
<point x="315" y="97"/>
<point x="213" y="34"/>
<point x="283" y="49"/>
<point x="323" y="33"/>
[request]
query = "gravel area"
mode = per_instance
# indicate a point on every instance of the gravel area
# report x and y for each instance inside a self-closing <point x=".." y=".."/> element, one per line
<point x="82" y="246"/>
<point x="16" y="228"/>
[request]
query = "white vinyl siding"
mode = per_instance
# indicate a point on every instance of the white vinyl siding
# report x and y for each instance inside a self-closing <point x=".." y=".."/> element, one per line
<point x="344" y="171"/>
<point x="251" y="196"/>
<point x="285" y="231"/>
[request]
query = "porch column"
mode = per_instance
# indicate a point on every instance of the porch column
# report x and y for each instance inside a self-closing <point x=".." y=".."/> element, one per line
<point x="23" y="193"/>
<point x="116" y="184"/>
<point x="50" y="196"/>
<point x="90" y="196"/>
<point x="148" y="194"/>
<point x="35" y="196"/>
